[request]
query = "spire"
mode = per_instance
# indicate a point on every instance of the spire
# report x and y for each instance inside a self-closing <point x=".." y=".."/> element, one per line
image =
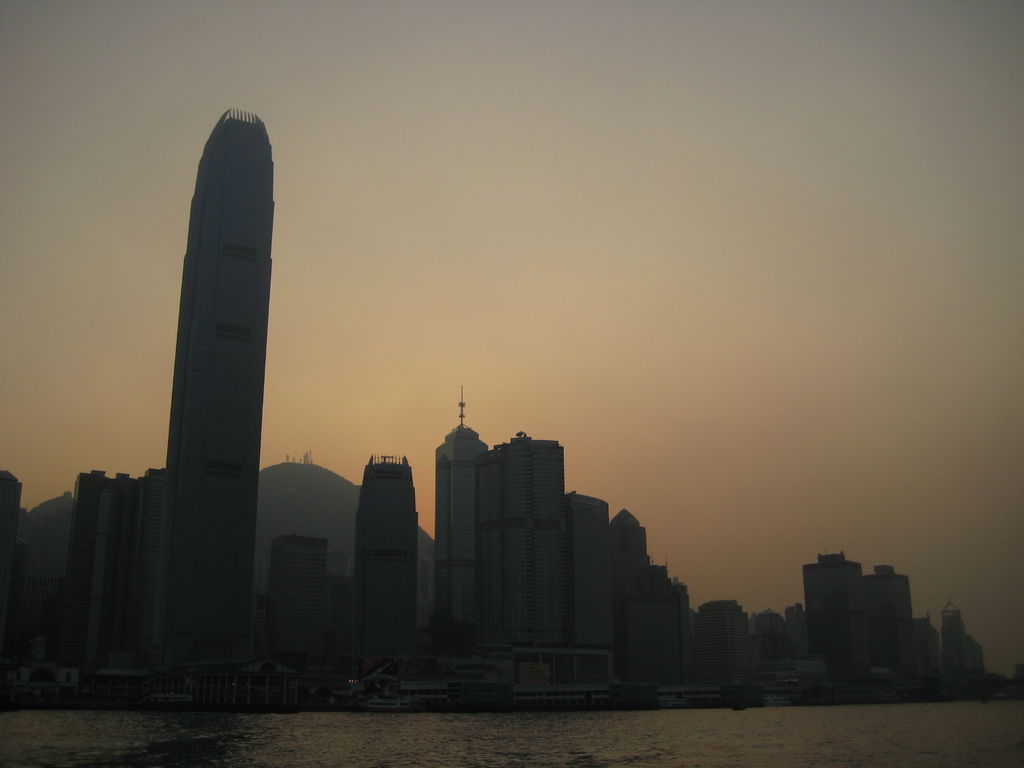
<point x="462" y="406"/>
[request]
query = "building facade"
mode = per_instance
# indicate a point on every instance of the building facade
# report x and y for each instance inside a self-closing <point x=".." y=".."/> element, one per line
<point x="297" y="600"/>
<point x="386" y="561"/>
<point x="10" y="507"/>
<point x="523" y="549"/>
<point x="650" y="613"/>
<point x="213" y="448"/>
<point x="721" y="643"/>
<point x="890" y="620"/>
<point x="455" y="538"/>
<point x="836" y="617"/>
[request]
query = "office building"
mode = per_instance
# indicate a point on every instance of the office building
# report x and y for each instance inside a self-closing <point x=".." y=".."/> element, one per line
<point x="721" y="647"/>
<point x="455" y="542"/>
<point x="213" y="450"/>
<point x="836" y="618"/>
<point x="297" y="600"/>
<point x="961" y="653"/>
<point x="927" y="648"/>
<point x="796" y="629"/>
<point x="589" y="587"/>
<point x="769" y="640"/>
<point x="522" y="564"/>
<point x="385" y="564"/>
<point x="650" y="613"/>
<point x="890" y="620"/>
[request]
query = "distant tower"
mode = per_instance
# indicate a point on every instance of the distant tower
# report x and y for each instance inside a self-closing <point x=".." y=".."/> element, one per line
<point x="650" y="624"/>
<point x="10" y="506"/>
<point x="455" y="537"/>
<point x="961" y="653"/>
<point x="721" y="642"/>
<point x="523" y="596"/>
<point x="590" y="585"/>
<point x="385" y="566"/>
<point x="890" y="620"/>
<point x="836" y="618"/>
<point x="213" y="450"/>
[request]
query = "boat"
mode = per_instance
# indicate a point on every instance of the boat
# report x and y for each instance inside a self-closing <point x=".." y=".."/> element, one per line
<point x="391" y="702"/>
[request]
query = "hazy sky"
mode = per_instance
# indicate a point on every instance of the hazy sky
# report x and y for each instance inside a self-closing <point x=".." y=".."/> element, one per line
<point x="757" y="265"/>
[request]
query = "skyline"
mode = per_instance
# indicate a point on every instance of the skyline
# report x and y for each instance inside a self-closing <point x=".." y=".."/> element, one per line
<point x="775" y="252"/>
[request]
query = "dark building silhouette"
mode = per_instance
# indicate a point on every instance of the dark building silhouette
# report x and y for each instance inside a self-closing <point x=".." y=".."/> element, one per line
<point x="49" y="529"/>
<point x="455" y="543"/>
<point x="890" y="620"/>
<point x="796" y="629"/>
<point x="107" y="596"/>
<point x="523" y="595"/>
<point x="589" y="587"/>
<point x="297" y="600"/>
<point x="927" y="648"/>
<point x="961" y="653"/>
<point x="10" y="507"/>
<point x="836" y="618"/>
<point x="721" y="643"/>
<point x="650" y="619"/>
<point x="769" y="640"/>
<point x="386" y="560"/>
<point x="213" y="448"/>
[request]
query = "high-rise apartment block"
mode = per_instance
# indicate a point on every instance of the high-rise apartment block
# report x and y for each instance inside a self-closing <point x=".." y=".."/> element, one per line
<point x="113" y="572"/>
<point x="385" y="564"/>
<point x="213" y="448"/>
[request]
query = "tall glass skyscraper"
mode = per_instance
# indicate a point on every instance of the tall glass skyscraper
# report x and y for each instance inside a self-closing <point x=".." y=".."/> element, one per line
<point x="455" y="531"/>
<point x="213" y="447"/>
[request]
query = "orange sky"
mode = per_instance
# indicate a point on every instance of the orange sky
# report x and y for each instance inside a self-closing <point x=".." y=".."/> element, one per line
<point x="756" y="265"/>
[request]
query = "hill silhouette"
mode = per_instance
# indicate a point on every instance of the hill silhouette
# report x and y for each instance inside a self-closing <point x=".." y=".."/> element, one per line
<point x="307" y="500"/>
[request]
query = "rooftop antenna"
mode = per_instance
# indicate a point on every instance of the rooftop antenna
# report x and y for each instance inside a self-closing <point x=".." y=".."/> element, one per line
<point x="462" y="406"/>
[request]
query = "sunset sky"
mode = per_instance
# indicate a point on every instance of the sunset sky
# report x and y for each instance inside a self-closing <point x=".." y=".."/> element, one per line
<point x="758" y="266"/>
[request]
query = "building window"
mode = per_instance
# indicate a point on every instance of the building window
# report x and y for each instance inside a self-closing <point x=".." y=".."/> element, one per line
<point x="237" y="251"/>
<point x="226" y="468"/>
<point x="235" y="332"/>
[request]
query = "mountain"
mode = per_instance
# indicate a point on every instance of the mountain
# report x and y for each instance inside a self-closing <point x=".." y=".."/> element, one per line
<point x="308" y="500"/>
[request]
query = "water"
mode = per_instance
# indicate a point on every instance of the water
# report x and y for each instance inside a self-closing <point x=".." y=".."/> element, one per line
<point x="906" y="735"/>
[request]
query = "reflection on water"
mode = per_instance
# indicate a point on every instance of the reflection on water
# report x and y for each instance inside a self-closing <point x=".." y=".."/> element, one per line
<point x="932" y="735"/>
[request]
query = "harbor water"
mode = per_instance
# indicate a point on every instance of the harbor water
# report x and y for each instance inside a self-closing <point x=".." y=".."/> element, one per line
<point x="906" y="735"/>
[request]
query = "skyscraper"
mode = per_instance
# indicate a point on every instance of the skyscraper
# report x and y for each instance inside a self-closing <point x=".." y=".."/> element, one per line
<point x="385" y="577"/>
<point x="10" y="505"/>
<point x="836" y="618"/>
<point x="721" y="642"/>
<point x="649" y="613"/>
<point x="97" y="616"/>
<point x="522" y="596"/>
<point x="890" y="619"/>
<point x="297" y="600"/>
<point x="213" y="449"/>
<point x="455" y="542"/>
